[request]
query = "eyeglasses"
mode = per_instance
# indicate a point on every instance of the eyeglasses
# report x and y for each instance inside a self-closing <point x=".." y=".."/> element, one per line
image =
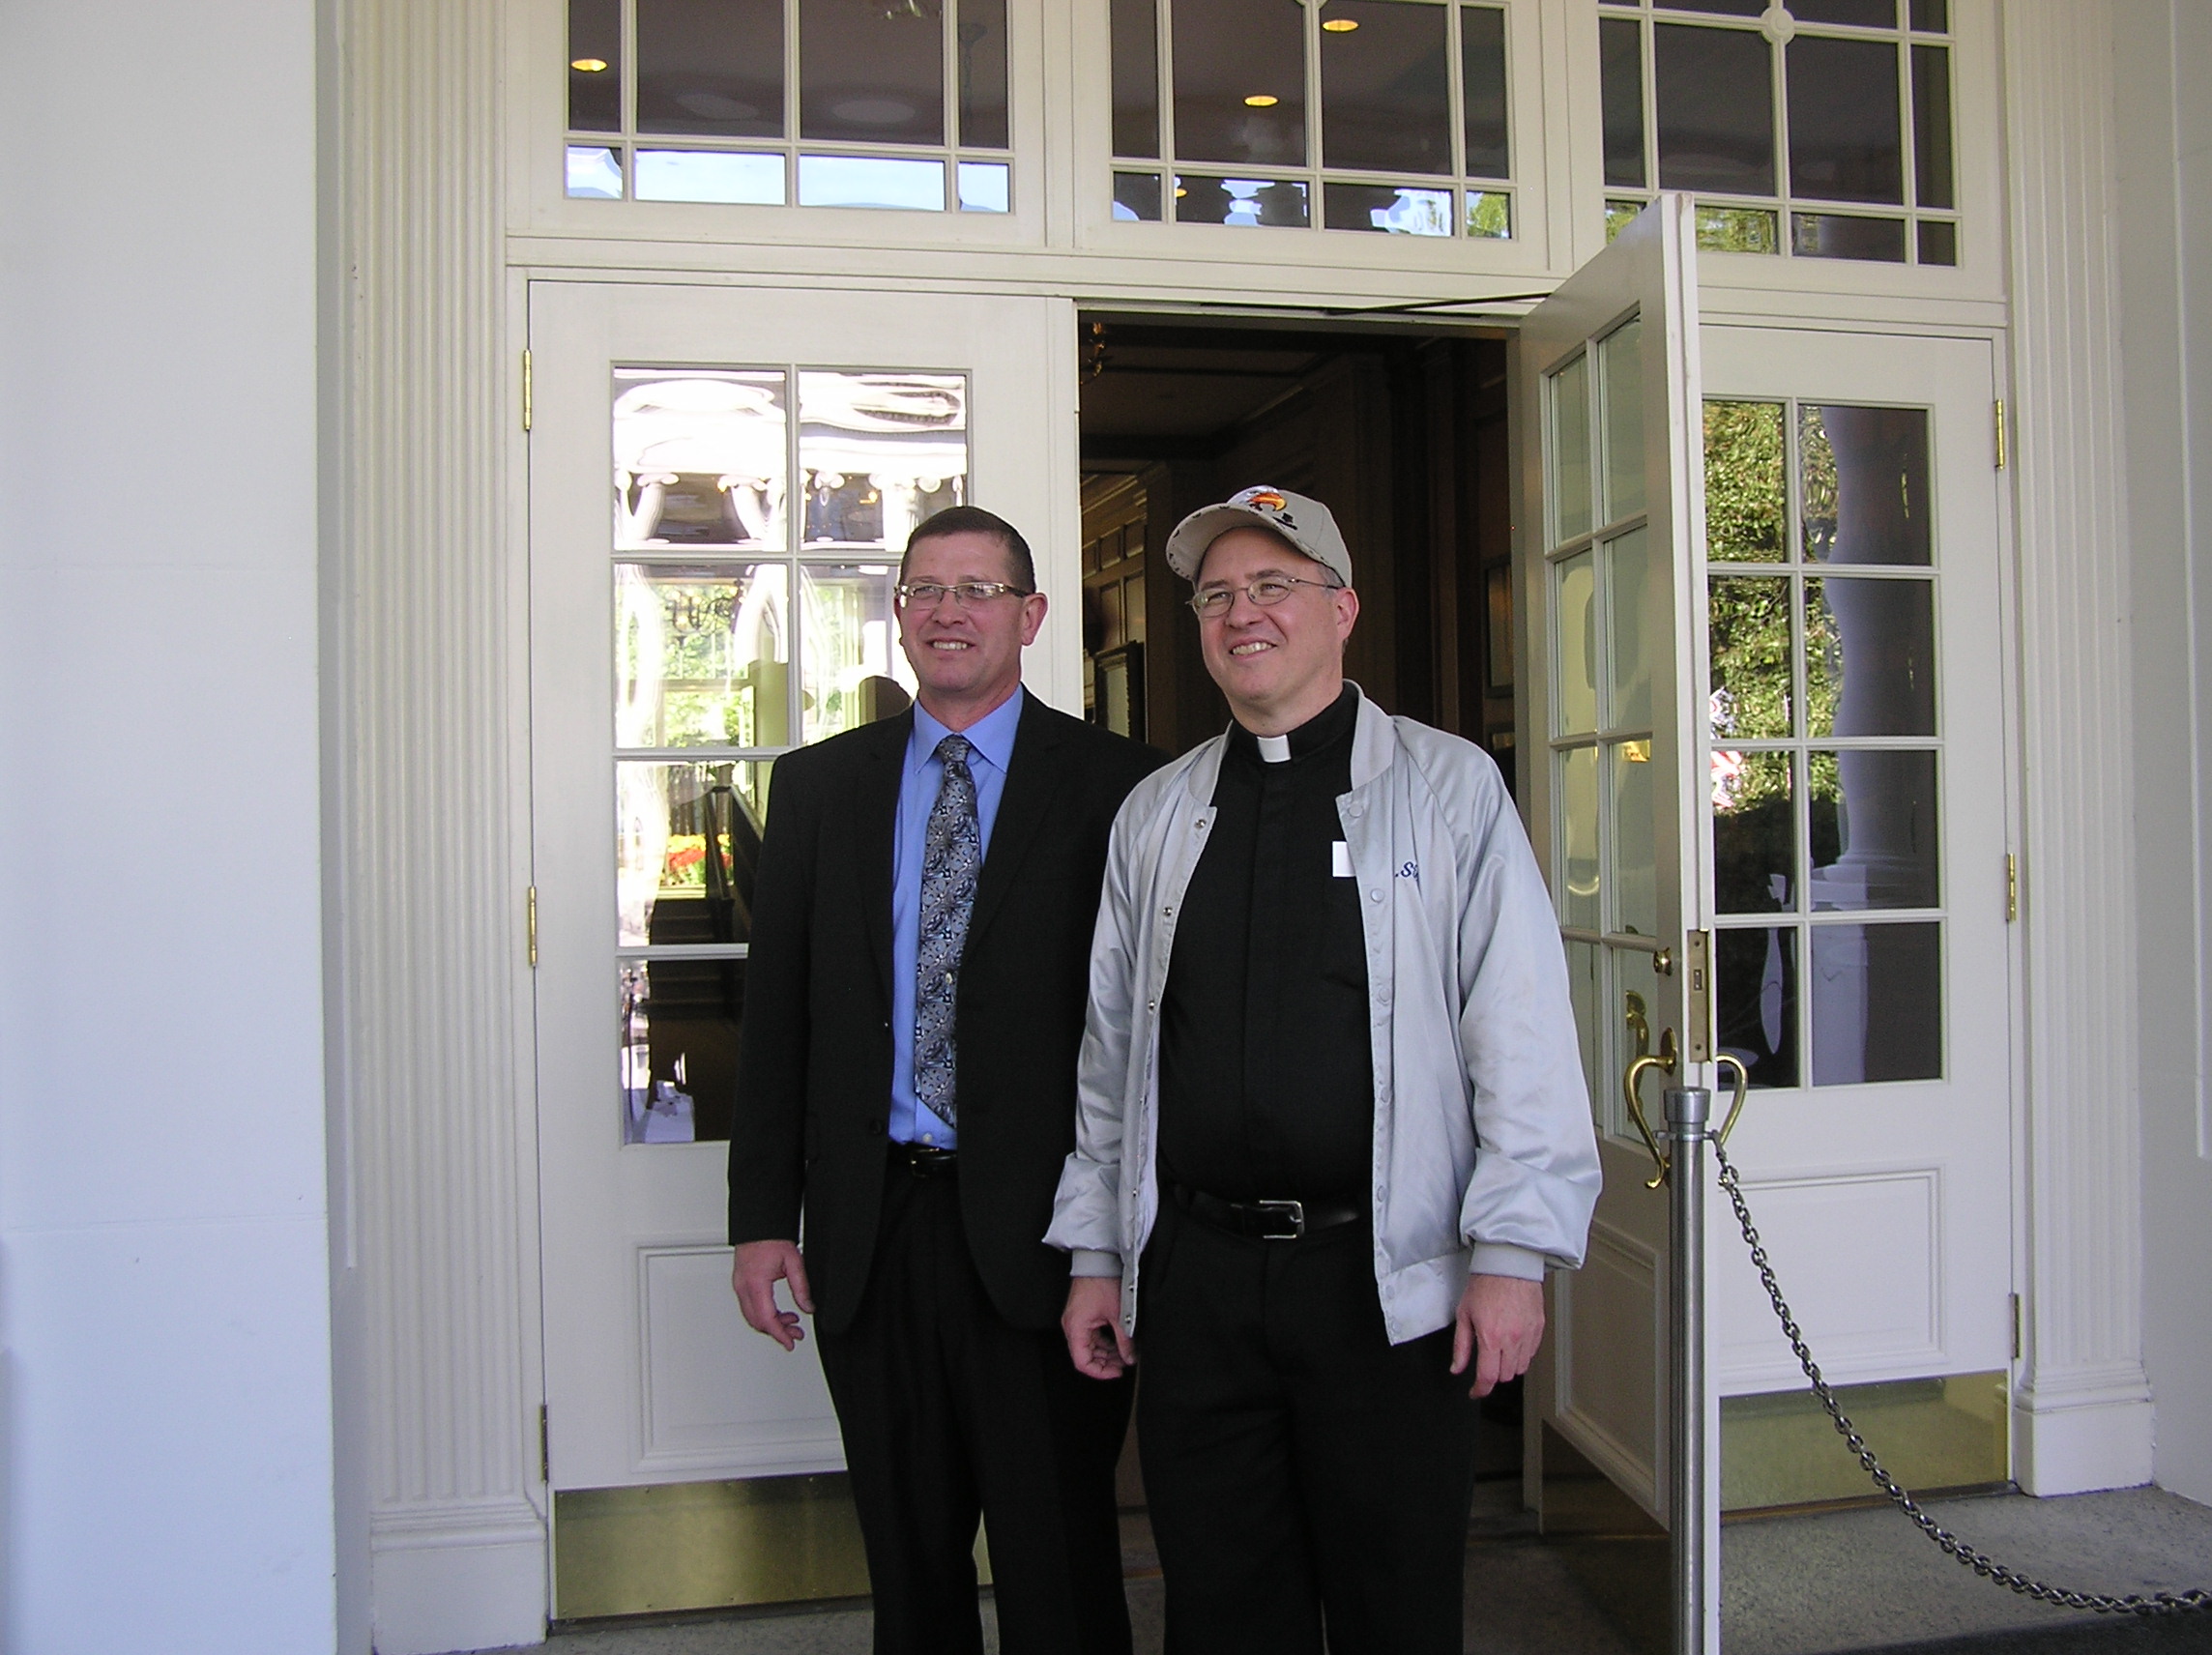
<point x="1267" y="590"/>
<point x="966" y="593"/>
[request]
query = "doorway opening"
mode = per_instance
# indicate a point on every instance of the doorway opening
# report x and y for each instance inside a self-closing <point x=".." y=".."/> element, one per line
<point x="1403" y="435"/>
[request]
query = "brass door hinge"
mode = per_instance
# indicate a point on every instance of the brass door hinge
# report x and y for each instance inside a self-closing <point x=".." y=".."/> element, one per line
<point x="2012" y="887"/>
<point x="532" y="926"/>
<point x="544" y="1445"/>
<point x="2016" y="1344"/>
<point x="1998" y="410"/>
<point x="526" y="396"/>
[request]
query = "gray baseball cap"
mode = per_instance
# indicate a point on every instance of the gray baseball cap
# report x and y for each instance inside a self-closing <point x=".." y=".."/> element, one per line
<point x="1304" y="522"/>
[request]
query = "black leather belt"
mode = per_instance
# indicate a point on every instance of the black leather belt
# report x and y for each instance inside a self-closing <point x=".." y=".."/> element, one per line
<point x="923" y="1161"/>
<point x="1266" y="1220"/>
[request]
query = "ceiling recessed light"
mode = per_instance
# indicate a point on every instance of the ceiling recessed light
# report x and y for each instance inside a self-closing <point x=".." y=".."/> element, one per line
<point x="1263" y="100"/>
<point x="1180" y="192"/>
<point x="590" y="65"/>
<point x="1341" y="25"/>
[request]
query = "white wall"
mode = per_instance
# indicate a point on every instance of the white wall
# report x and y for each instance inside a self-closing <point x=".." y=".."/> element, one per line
<point x="2164" y="134"/>
<point x="165" y="1303"/>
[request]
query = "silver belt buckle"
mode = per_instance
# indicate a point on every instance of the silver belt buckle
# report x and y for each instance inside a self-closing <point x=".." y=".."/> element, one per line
<point x="1293" y="1211"/>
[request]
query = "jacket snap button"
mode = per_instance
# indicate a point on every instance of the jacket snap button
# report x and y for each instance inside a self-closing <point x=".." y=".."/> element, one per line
<point x="1375" y="895"/>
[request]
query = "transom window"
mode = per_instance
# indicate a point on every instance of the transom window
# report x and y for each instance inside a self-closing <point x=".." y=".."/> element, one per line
<point x="897" y="103"/>
<point x="1384" y="116"/>
<point x="1823" y="129"/>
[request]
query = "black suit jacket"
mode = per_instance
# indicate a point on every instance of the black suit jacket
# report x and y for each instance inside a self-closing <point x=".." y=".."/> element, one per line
<point x="814" y="1071"/>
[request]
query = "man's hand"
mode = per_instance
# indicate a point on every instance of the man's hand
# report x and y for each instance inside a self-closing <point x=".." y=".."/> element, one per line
<point x="1093" y="1323"/>
<point x="1500" y="1324"/>
<point x="759" y="1267"/>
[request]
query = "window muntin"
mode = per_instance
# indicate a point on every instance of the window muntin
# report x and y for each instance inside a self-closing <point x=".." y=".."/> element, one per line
<point x="901" y="104"/>
<point x="1375" y="116"/>
<point x="1824" y="797"/>
<point x="1819" y="131"/>
<point x="752" y="559"/>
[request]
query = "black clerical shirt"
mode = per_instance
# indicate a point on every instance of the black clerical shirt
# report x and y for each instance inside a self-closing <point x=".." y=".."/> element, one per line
<point x="1267" y="1077"/>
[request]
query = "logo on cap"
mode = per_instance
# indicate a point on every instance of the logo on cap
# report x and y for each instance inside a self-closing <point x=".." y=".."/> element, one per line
<point x="1262" y="499"/>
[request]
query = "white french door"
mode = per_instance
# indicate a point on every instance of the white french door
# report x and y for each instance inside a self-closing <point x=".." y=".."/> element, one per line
<point x="1765" y="727"/>
<point x="720" y="483"/>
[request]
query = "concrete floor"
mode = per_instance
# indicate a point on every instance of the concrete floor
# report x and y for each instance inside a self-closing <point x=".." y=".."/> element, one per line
<point x="1856" y="1581"/>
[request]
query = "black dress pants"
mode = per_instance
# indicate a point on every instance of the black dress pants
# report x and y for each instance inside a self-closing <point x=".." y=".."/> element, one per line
<point x="1300" y="1470"/>
<point x="948" y="1412"/>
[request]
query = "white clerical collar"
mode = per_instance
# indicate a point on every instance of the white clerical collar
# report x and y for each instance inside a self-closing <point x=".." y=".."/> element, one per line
<point x="1276" y="749"/>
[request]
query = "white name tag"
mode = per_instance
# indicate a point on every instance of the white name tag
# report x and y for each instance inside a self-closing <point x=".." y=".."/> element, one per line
<point x="1340" y="859"/>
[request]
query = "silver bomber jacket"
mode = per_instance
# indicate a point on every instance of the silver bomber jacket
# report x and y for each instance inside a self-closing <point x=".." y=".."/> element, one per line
<point x="1485" y="1158"/>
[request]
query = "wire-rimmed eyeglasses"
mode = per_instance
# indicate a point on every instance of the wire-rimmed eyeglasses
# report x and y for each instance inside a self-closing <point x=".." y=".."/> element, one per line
<point x="1266" y="591"/>
<point x="966" y="593"/>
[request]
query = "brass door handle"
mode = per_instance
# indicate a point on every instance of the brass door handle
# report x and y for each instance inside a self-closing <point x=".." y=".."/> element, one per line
<point x="1663" y="1061"/>
<point x="1736" y="1106"/>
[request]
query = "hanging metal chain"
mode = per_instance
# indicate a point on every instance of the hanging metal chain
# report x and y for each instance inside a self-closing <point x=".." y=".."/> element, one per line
<point x="1984" y="1565"/>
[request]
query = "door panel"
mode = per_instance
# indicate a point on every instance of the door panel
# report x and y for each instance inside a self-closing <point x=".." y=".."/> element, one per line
<point x="721" y="482"/>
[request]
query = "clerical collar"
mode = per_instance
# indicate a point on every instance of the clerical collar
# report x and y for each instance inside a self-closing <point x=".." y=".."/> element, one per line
<point x="1332" y="724"/>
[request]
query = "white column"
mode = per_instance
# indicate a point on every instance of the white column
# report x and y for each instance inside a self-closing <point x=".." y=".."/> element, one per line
<point x="429" y="738"/>
<point x="2082" y="1412"/>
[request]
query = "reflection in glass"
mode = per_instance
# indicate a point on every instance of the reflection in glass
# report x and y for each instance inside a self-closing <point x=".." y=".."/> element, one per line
<point x="678" y="1062"/>
<point x="1938" y="241"/>
<point x="1844" y="119"/>
<point x="1239" y="201"/>
<point x="1571" y="450"/>
<point x="1490" y="214"/>
<point x="710" y="175"/>
<point x="1622" y="355"/>
<point x="1385" y="92"/>
<point x="1585" y="992"/>
<point x="594" y="66"/>
<point x="1932" y="128"/>
<point x="981" y="43"/>
<point x="1579" y="892"/>
<point x="1137" y="197"/>
<point x="871" y="75"/>
<point x="1754" y="833"/>
<point x="711" y="67"/>
<point x="1859" y="14"/>
<point x="1634" y="849"/>
<point x="1635" y="599"/>
<point x="1620" y="69"/>
<point x="1737" y="229"/>
<point x="1877" y="812"/>
<point x="1240" y="82"/>
<point x="1864" y="484"/>
<point x="1136" y="53"/>
<point x="1633" y="974"/>
<point x="880" y="452"/>
<point x="1619" y="215"/>
<point x="1876" y="996"/>
<point x="1715" y="95"/>
<point x="595" y="172"/>
<point x="853" y="670"/>
<point x="1846" y="235"/>
<point x="1747" y="508"/>
<point x="1932" y="16"/>
<point x="699" y="457"/>
<point x="983" y="186"/>
<point x="1390" y="208"/>
<point x="1755" y="1003"/>
<point x="687" y="844"/>
<point x="1482" y="90"/>
<point x="1576" y="652"/>
<point x="1726" y="8"/>
<point x="1747" y="631"/>
<point x="1870" y="657"/>
<point x="702" y="656"/>
<point x="871" y="181"/>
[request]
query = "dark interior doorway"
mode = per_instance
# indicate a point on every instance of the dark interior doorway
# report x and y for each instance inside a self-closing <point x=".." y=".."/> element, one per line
<point x="1401" y="434"/>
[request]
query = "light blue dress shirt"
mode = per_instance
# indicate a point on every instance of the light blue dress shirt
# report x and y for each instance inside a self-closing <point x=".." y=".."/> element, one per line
<point x="991" y="740"/>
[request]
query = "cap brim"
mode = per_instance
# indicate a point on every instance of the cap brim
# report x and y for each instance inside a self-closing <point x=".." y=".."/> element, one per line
<point x="1194" y="535"/>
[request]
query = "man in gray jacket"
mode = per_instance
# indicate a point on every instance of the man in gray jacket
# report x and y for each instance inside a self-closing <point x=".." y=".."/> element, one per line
<point x="1333" y="1122"/>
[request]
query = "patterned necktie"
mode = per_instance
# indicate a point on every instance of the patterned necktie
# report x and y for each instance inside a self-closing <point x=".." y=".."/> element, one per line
<point x="952" y="853"/>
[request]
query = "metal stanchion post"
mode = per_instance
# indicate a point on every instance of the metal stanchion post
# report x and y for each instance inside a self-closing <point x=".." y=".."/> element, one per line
<point x="1689" y="1111"/>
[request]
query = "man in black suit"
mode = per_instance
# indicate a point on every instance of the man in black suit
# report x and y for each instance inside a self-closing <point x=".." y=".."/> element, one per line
<point x="915" y="1001"/>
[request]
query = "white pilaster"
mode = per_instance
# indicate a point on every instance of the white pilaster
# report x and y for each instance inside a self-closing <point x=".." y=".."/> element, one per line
<point x="2082" y="1412"/>
<point x="432" y="900"/>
